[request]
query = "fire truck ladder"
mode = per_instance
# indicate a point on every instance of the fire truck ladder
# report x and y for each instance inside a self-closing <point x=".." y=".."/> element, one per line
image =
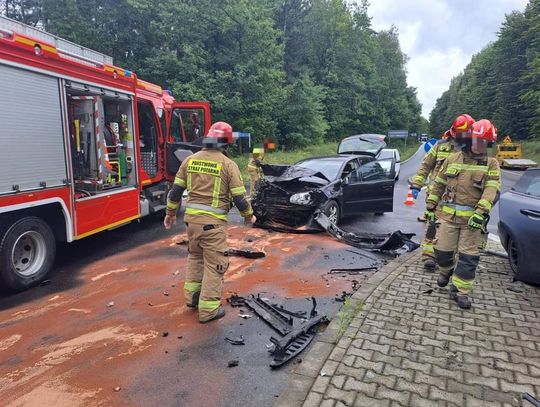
<point x="66" y="48"/>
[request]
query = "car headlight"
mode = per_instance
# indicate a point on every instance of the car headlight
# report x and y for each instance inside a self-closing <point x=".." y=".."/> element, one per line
<point x="303" y="198"/>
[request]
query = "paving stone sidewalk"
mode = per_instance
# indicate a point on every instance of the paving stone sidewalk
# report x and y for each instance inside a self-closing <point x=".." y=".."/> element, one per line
<point x="410" y="345"/>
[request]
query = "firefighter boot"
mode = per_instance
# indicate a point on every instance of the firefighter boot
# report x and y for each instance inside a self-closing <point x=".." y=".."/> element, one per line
<point x="194" y="300"/>
<point x="463" y="301"/>
<point x="219" y="314"/>
<point x="429" y="265"/>
<point x="442" y="280"/>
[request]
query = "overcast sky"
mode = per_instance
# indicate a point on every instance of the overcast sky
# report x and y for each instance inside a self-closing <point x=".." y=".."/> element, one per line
<point x="437" y="52"/>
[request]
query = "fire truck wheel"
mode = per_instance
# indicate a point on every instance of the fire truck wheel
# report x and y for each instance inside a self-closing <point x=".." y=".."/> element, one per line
<point x="27" y="251"/>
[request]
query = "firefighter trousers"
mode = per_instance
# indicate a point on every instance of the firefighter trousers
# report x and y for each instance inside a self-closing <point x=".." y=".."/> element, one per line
<point x="458" y="239"/>
<point x="253" y="181"/>
<point x="427" y="243"/>
<point x="207" y="263"/>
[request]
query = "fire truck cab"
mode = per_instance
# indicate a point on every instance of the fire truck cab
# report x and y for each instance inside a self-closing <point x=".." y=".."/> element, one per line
<point x="85" y="146"/>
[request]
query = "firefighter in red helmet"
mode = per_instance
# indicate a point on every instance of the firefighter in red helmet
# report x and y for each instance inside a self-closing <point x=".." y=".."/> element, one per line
<point x="464" y="192"/>
<point x="211" y="179"/>
<point x="429" y="169"/>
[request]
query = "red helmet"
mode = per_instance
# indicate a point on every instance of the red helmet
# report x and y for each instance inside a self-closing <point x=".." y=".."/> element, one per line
<point x="484" y="130"/>
<point x="461" y="124"/>
<point x="219" y="135"/>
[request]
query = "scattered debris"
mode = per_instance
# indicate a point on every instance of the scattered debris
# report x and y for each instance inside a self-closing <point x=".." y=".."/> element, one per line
<point x="165" y="293"/>
<point x="428" y="291"/>
<point x="236" y="340"/>
<point x="264" y="310"/>
<point x="236" y="301"/>
<point x="179" y="337"/>
<point x="395" y="243"/>
<point x="164" y="334"/>
<point x="176" y="273"/>
<point x="45" y="282"/>
<point x="110" y="304"/>
<point x="357" y="270"/>
<point x="250" y="254"/>
<point x="245" y="316"/>
<point x="233" y="363"/>
<point x="117" y="389"/>
<point x="150" y="304"/>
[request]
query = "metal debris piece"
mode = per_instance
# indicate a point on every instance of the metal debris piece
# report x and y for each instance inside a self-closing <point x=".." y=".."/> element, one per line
<point x="245" y="316"/>
<point x="239" y="340"/>
<point x="313" y="311"/>
<point x="496" y="253"/>
<point x="117" y="389"/>
<point x="531" y="399"/>
<point x="233" y="363"/>
<point x="264" y="310"/>
<point x="356" y="270"/>
<point x="165" y="293"/>
<point x="280" y="345"/>
<point x="343" y="297"/>
<point x="236" y="300"/>
<point x="249" y="254"/>
<point x="395" y="243"/>
<point x="297" y="314"/>
<point x="515" y="289"/>
<point x="110" y="304"/>
<point x="294" y="349"/>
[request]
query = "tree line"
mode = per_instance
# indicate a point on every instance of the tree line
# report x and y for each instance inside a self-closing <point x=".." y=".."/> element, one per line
<point x="502" y="82"/>
<point x="301" y="71"/>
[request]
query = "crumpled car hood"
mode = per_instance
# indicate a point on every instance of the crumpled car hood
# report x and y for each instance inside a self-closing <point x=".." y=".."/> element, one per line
<point x="283" y="173"/>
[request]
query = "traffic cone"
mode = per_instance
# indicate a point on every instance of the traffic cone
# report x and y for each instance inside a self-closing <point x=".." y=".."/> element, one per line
<point x="410" y="200"/>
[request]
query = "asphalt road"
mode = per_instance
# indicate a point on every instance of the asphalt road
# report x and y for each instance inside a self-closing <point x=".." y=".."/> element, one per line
<point x="113" y="316"/>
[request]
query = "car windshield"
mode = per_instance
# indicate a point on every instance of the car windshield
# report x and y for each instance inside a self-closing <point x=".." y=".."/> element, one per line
<point x="359" y="144"/>
<point x="329" y="168"/>
<point x="386" y="154"/>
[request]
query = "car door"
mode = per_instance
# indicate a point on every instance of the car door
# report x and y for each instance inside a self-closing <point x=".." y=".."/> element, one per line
<point x="368" y="190"/>
<point x="525" y="223"/>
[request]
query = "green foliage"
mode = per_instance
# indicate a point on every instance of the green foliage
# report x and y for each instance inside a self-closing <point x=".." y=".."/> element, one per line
<point x="502" y="82"/>
<point x="301" y="71"/>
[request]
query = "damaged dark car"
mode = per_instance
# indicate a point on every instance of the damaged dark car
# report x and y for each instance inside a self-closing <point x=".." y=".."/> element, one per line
<point x="338" y="186"/>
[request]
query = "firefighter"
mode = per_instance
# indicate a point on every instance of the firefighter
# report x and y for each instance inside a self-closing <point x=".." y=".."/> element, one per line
<point x="254" y="169"/>
<point x="463" y="193"/>
<point x="211" y="179"/>
<point x="429" y="168"/>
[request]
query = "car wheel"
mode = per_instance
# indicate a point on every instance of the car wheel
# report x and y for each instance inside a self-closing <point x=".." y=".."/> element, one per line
<point x="27" y="251"/>
<point x="513" y="255"/>
<point x="332" y="211"/>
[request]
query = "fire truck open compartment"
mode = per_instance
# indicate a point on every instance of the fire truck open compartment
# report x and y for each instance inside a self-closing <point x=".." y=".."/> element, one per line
<point x="101" y="139"/>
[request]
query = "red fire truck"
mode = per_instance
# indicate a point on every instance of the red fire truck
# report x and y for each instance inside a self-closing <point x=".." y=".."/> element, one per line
<point x="85" y="146"/>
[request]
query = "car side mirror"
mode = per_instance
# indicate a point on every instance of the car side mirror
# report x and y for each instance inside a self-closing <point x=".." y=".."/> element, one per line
<point x="346" y="181"/>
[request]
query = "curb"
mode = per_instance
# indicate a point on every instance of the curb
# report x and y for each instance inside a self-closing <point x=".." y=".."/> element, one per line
<point x="301" y="380"/>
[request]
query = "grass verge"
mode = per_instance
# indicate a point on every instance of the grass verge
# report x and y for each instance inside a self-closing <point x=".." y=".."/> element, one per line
<point x="350" y="309"/>
<point x="531" y="150"/>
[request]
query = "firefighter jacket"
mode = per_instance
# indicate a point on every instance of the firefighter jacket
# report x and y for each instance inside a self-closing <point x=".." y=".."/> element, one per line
<point x="254" y="168"/>
<point x="211" y="179"/>
<point x="464" y="185"/>
<point x="433" y="161"/>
